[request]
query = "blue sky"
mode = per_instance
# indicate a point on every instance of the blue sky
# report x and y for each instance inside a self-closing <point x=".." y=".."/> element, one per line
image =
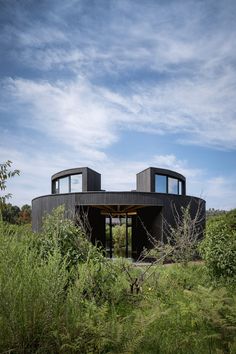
<point x="119" y="86"/>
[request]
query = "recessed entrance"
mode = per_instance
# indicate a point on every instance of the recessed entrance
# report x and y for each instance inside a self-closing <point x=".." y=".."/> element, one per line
<point x="119" y="219"/>
<point x="119" y="235"/>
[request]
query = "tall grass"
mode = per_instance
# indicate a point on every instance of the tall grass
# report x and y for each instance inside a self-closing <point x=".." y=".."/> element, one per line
<point x="48" y="307"/>
<point x="31" y="295"/>
<point x="193" y="316"/>
<point x="49" y="304"/>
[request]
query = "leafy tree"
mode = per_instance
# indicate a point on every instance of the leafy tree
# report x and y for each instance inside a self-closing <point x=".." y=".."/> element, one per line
<point x="5" y="174"/>
<point x="25" y="214"/>
<point x="214" y="212"/>
<point x="14" y="215"/>
<point x="10" y="213"/>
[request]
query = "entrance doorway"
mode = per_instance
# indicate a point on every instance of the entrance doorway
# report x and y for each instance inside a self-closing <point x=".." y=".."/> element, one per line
<point x="119" y="235"/>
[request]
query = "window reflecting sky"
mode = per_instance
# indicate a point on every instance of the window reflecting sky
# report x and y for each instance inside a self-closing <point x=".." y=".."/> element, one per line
<point x="76" y="183"/>
<point x="160" y="184"/>
<point x="172" y="185"/>
<point x="64" y="185"/>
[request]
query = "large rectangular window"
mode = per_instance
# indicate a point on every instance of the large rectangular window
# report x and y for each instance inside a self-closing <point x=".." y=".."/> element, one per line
<point x="172" y="185"/>
<point x="76" y="183"/>
<point x="64" y="185"/>
<point x="160" y="184"/>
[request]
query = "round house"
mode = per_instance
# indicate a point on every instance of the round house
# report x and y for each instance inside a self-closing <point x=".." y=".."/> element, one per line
<point x="159" y="195"/>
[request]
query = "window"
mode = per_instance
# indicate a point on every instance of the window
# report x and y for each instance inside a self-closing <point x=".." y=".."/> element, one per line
<point x="180" y="187"/>
<point x="64" y="185"/>
<point x="160" y="184"/>
<point x="55" y="187"/>
<point x="166" y="184"/>
<point x="68" y="184"/>
<point x="172" y="185"/>
<point x="76" y="183"/>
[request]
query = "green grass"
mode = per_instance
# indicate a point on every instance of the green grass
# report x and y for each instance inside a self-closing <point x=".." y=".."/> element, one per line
<point x="49" y="306"/>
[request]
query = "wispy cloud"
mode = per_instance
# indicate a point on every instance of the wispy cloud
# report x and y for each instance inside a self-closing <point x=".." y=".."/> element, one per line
<point x="81" y="73"/>
<point x="88" y="116"/>
<point x="165" y="37"/>
<point x="176" y="62"/>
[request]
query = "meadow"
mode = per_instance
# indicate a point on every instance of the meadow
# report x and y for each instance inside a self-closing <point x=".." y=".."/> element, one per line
<point x="59" y="294"/>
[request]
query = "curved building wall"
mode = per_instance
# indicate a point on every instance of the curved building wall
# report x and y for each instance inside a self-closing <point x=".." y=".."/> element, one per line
<point x="45" y="204"/>
<point x="158" y="192"/>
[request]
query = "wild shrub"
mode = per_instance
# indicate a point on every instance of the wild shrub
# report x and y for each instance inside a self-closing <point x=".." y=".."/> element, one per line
<point x="182" y="239"/>
<point x="61" y="234"/>
<point x="219" y="246"/>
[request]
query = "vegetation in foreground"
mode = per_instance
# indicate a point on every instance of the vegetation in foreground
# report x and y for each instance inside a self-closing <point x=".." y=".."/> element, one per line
<point x="59" y="294"/>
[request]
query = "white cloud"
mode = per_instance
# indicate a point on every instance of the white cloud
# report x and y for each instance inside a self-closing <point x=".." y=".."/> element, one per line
<point x="220" y="191"/>
<point x="117" y="175"/>
<point x="191" y="58"/>
<point x="166" y="37"/>
<point x="172" y="163"/>
<point x="90" y="118"/>
<point x="174" y="68"/>
<point x="53" y="58"/>
<point x="74" y="114"/>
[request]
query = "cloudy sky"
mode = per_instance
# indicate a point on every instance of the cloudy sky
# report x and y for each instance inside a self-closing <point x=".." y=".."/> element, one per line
<point x="118" y="86"/>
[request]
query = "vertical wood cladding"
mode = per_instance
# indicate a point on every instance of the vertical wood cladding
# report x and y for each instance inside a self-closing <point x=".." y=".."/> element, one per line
<point x="143" y="181"/>
<point x="152" y="209"/>
<point x="146" y="179"/>
<point x="93" y="180"/>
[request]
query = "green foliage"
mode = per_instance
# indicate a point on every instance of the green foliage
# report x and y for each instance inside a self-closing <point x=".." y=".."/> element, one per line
<point x="191" y="316"/>
<point x="214" y="212"/>
<point x="178" y="310"/>
<point x="39" y="313"/>
<point x="5" y="174"/>
<point x="31" y="294"/>
<point x="25" y="214"/>
<point x="15" y="215"/>
<point x="61" y="234"/>
<point x="119" y="239"/>
<point x="219" y="246"/>
<point x="10" y="213"/>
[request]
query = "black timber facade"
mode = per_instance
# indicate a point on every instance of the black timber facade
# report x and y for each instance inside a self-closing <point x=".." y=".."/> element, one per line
<point x="158" y="190"/>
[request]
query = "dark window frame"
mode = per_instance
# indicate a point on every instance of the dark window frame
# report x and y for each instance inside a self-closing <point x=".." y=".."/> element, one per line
<point x="58" y="191"/>
<point x="166" y="183"/>
<point x="179" y="181"/>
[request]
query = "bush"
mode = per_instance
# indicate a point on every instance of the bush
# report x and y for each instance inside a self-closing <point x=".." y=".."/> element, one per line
<point x="218" y="249"/>
<point x="61" y="234"/>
